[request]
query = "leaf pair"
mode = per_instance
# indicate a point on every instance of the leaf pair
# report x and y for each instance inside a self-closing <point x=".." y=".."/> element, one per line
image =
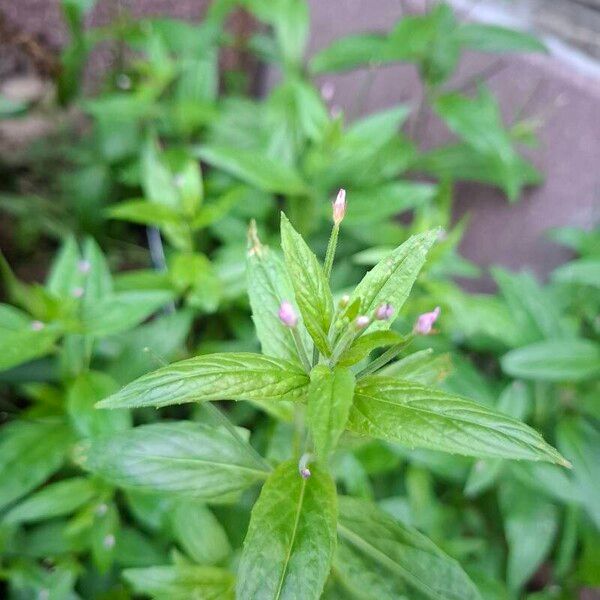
<point x="382" y="407"/>
<point x="292" y="538"/>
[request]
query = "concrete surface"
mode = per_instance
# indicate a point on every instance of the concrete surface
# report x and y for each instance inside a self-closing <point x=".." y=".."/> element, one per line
<point x="568" y="100"/>
<point x="562" y="89"/>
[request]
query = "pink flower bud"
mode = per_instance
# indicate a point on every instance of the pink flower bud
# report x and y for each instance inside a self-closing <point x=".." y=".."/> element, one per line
<point x="287" y="314"/>
<point x="384" y="312"/>
<point x="339" y="207"/>
<point x="84" y="266"/>
<point x="327" y="91"/>
<point x="425" y="322"/>
<point x="361" y="322"/>
<point x="305" y="473"/>
<point x="303" y="465"/>
<point x="344" y="301"/>
<point x="37" y="325"/>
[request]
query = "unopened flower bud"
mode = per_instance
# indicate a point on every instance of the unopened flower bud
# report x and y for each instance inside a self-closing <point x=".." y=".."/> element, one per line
<point x="339" y="207"/>
<point x="84" y="266"/>
<point x="384" y="312"/>
<point x="101" y="509"/>
<point x="361" y="322"/>
<point x="37" y="325"/>
<point x="303" y="465"/>
<point x="344" y="300"/>
<point x="287" y="314"/>
<point x="425" y="322"/>
<point x="327" y="91"/>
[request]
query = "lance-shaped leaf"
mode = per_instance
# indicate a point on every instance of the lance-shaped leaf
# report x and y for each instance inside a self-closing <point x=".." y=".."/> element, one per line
<point x="392" y="279"/>
<point x="227" y="376"/>
<point x="25" y="343"/>
<point x="54" y="500"/>
<point x="422" y="417"/>
<point x="184" y="457"/>
<point x="310" y="285"/>
<point x="121" y="311"/>
<point x="30" y="451"/>
<point x="182" y="582"/>
<point x="291" y="537"/>
<point x="530" y="525"/>
<point x="554" y="360"/>
<point x="329" y="400"/>
<point x="268" y="286"/>
<point x="401" y="554"/>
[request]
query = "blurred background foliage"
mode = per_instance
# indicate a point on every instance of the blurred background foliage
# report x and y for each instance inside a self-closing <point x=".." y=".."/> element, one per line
<point x="148" y="184"/>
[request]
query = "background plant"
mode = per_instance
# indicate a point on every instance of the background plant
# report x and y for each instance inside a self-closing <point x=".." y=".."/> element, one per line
<point x="178" y="226"/>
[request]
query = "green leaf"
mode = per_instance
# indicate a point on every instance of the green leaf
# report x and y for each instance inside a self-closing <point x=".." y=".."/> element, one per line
<point x="421" y="417"/>
<point x="463" y="162"/>
<point x="479" y="123"/>
<point x="514" y="402"/>
<point x="227" y="376"/>
<point x="22" y="345"/>
<point x="366" y="343"/>
<point x="97" y="278"/>
<point x="531" y="306"/>
<point x="64" y="275"/>
<point x="373" y="205"/>
<point x="164" y="336"/>
<point x="530" y="523"/>
<point x="13" y="318"/>
<point x="420" y="367"/>
<point x="268" y="286"/>
<point x="392" y="279"/>
<point x="199" y="532"/>
<point x="364" y="578"/>
<point x="253" y="168"/>
<point x="329" y="400"/>
<point x="157" y="180"/>
<point x="290" y="22"/>
<point x="121" y="311"/>
<point x="54" y="500"/>
<point x="581" y="272"/>
<point x="310" y="285"/>
<point x="580" y="442"/>
<point x="159" y="186"/>
<point x="195" y="273"/>
<point x="391" y="551"/>
<point x="349" y="52"/>
<point x="291" y="537"/>
<point x="182" y="582"/>
<point x="104" y="530"/>
<point x="491" y="38"/>
<point x="181" y="457"/>
<point x="29" y="453"/>
<point x="134" y="549"/>
<point x="554" y="360"/>
<point x="88" y="388"/>
<point x="146" y="213"/>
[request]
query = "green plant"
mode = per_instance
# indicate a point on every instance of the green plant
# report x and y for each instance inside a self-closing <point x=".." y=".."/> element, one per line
<point x="352" y="411"/>
<point x="539" y="347"/>
<point x="316" y="358"/>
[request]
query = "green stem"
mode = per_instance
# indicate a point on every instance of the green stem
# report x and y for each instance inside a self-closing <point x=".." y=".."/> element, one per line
<point x="384" y="359"/>
<point x="330" y="254"/>
<point x="301" y="349"/>
<point x="344" y="342"/>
